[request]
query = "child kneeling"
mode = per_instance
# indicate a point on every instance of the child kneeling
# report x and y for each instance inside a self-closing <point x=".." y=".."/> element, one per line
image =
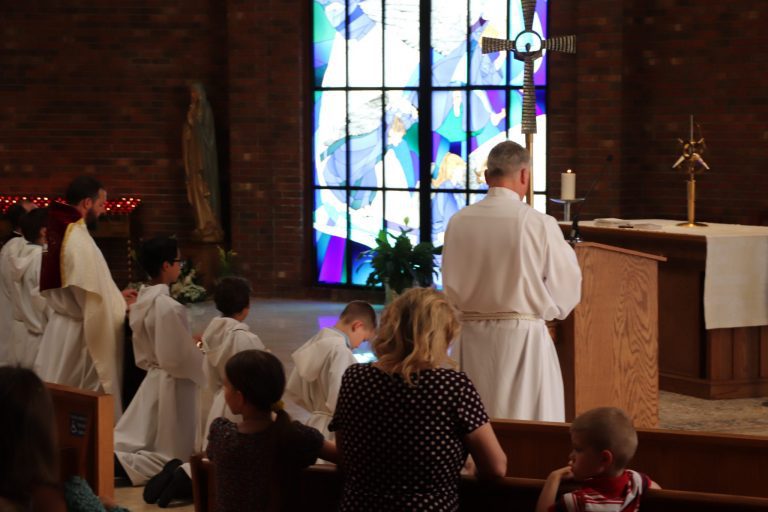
<point x="603" y="442"/>
<point x="323" y="359"/>
<point x="256" y="458"/>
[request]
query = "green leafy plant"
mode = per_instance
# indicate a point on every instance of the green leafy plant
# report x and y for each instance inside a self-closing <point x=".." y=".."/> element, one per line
<point x="398" y="263"/>
<point x="227" y="262"/>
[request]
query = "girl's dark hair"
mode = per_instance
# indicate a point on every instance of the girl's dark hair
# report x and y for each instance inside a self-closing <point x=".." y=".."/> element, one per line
<point x="32" y="223"/>
<point x="232" y="295"/>
<point x="258" y="375"/>
<point x="28" y="447"/>
<point x="156" y="251"/>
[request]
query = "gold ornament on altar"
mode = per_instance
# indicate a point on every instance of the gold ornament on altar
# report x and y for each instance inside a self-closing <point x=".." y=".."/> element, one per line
<point x="528" y="46"/>
<point x="692" y="163"/>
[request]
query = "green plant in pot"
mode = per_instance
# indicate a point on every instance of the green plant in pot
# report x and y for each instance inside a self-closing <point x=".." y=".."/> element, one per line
<point x="398" y="264"/>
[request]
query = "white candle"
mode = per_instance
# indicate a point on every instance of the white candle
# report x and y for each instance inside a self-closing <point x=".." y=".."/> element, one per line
<point x="568" y="185"/>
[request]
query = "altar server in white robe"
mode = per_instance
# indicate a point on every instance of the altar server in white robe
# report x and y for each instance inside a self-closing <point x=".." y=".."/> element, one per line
<point x="159" y="425"/>
<point x="322" y="361"/>
<point x="82" y="345"/>
<point x="224" y="337"/>
<point x="507" y="268"/>
<point x="10" y="328"/>
<point x="29" y="307"/>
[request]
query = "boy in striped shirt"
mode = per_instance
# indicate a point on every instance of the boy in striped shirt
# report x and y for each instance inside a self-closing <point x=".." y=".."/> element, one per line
<point x="603" y="442"/>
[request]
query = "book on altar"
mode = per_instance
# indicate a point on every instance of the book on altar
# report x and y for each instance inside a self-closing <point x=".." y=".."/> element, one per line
<point x="611" y="222"/>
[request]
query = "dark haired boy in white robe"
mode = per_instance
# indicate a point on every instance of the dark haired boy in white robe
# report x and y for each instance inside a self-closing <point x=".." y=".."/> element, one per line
<point x="159" y="425"/>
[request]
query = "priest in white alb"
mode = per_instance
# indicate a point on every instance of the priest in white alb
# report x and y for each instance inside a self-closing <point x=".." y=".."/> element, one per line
<point x="82" y="345"/>
<point x="160" y="423"/>
<point x="508" y="269"/>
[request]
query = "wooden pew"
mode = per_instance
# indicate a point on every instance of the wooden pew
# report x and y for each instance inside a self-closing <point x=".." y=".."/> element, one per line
<point x="84" y="425"/>
<point x="680" y="460"/>
<point x="512" y="494"/>
<point x="203" y="483"/>
<point x="320" y="489"/>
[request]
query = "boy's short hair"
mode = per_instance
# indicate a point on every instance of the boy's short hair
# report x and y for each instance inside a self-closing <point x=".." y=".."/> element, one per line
<point x="359" y="310"/>
<point x="232" y="295"/>
<point x="156" y="251"/>
<point x="608" y="428"/>
<point x="32" y="223"/>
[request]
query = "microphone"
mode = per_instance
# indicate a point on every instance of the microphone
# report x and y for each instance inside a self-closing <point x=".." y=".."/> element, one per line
<point x="575" y="236"/>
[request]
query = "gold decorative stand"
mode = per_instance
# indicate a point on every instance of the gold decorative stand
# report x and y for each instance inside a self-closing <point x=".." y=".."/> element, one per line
<point x="691" y="205"/>
<point x="692" y="163"/>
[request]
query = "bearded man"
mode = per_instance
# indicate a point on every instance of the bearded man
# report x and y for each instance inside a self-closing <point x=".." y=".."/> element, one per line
<point x="82" y="345"/>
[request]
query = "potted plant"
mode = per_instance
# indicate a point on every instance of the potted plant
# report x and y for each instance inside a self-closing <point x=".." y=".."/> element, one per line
<point x="398" y="264"/>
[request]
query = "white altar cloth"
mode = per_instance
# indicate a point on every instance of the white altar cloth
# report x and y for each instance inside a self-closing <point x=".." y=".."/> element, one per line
<point x="736" y="273"/>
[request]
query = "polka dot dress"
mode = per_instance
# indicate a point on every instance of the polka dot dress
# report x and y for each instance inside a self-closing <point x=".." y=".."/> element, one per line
<point x="401" y="445"/>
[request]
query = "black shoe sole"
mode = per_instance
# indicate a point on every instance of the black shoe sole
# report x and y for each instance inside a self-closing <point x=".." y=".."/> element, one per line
<point x="180" y="488"/>
<point x="157" y="484"/>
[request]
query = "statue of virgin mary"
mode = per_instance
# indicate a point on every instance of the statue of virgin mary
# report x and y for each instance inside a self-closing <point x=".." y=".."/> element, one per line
<point x="201" y="166"/>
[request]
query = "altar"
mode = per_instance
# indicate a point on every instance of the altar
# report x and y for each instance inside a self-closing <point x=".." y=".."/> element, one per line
<point x="713" y="302"/>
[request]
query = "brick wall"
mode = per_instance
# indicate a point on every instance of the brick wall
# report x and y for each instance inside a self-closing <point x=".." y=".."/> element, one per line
<point x="267" y="48"/>
<point x="93" y="87"/>
<point x="642" y="68"/>
<point x="99" y="87"/>
<point x="585" y="94"/>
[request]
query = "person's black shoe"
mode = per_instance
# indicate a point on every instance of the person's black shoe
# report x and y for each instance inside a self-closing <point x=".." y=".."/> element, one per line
<point x="119" y="470"/>
<point x="160" y="481"/>
<point x="180" y="488"/>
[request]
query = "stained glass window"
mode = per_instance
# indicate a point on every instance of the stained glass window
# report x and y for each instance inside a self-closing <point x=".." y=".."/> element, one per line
<point x="406" y="108"/>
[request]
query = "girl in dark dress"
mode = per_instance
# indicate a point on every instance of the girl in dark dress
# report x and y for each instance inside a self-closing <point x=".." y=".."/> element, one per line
<point x="257" y="459"/>
<point x="405" y="424"/>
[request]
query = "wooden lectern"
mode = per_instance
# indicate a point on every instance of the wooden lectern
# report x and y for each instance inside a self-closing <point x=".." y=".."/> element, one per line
<point x="608" y="346"/>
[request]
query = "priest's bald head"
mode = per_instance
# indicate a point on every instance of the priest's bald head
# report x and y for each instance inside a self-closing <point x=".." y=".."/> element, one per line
<point x="509" y="167"/>
<point x="89" y="197"/>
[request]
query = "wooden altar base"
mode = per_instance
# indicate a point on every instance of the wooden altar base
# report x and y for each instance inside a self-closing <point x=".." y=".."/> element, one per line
<point x="736" y="361"/>
<point x="693" y="360"/>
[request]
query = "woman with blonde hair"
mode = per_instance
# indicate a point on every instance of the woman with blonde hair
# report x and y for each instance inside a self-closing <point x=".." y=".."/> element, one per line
<point x="406" y="423"/>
